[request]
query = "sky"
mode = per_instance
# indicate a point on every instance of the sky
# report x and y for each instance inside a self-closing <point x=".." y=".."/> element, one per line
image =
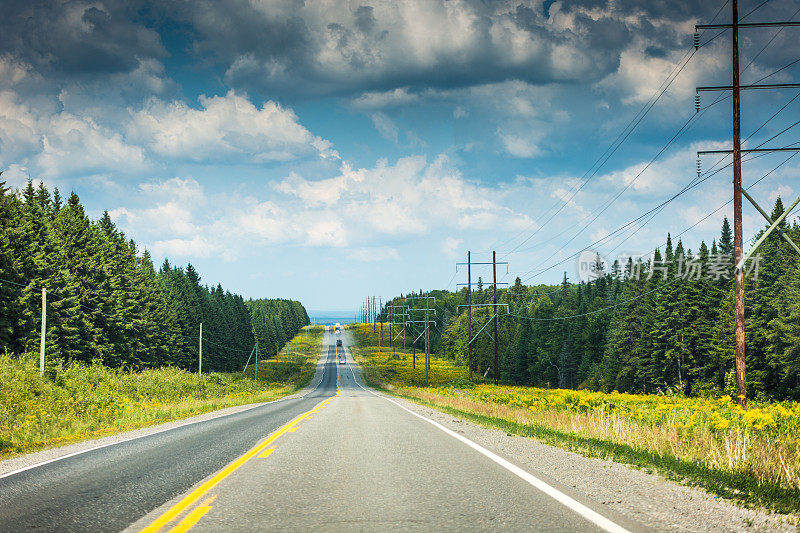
<point x="330" y="150"/>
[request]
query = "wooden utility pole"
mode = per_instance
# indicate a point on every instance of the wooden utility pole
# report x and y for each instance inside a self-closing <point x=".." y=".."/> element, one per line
<point x="738" y="244"/>
<point x="427" y="340"/>
<point x="200" y="351"/>
<point x="413" y="335"/>
<point x="469" y="315"/>
<point x="491" y="321"/>
<point x="494" y="308"/>
<point x="738" y="247"/>
<point x="44" y="332"/>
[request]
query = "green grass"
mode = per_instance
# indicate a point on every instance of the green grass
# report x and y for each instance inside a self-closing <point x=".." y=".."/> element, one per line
<point x="75" y="401"/>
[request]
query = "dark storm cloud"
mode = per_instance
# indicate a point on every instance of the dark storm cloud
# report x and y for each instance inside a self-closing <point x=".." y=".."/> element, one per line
<point x="307" y="48"/>
<point x="661" y="9"/>
<point x="292" y="48"/>
<point x="76" y="37"/>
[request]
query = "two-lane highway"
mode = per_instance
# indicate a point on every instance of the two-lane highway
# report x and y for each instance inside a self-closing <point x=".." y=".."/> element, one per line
<point x="363" y="462"/>
<point x="341" y="457"/>
<point x="109" y="488"/>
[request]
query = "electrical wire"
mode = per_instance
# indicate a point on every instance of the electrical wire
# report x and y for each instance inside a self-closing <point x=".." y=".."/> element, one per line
<point x="629" y="223"/>
<point x="621" y="137"/>
<point x="618" y="304"/>
<point x="686" y="124"/>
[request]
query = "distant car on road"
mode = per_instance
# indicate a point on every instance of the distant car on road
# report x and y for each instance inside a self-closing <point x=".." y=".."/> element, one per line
<point x="342" y="361"/>
<point x="338" y="343"/>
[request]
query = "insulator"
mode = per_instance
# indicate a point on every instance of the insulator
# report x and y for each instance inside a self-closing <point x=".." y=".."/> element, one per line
<point x="697" y="103"/>
<point x="696" y="41"/>
<point x="698" y="167"/>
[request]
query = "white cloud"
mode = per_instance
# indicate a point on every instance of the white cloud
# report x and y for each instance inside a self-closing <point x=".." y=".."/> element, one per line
<point x="183" y="189"/>
<point x="13" y="71"/>
<point x="357" y="207"/>
<point x="786" y="193"/>
<point x="450" y="247"/>
<point x="517" y="146"/>
<point x="377" y="100"/>
<point x="196" y="246"/>
<point x="224" y="128"/>
<point x="641" y="76"/>
<point x="74" y="144"/>
<point x="58" y="143"/>
<point x="385" y="126"/>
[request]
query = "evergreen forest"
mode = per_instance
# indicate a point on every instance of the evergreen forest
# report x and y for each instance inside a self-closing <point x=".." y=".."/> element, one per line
<point x="644" y="326"/>
<point x="107" y="302"/>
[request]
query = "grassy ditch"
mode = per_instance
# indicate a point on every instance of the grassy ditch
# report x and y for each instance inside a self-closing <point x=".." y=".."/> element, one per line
<point x="748" y="456"/>
<point x="74" y="402"/>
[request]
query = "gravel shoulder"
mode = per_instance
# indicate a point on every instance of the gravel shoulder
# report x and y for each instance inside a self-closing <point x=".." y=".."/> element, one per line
<point x="646" y="498"/>
<point x="649" y="499"/>
<point x="20" y="462"/>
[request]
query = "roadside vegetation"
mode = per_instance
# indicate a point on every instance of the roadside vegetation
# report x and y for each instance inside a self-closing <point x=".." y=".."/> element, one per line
<point x="75" y="401"/>
<point x="751" y="456"/>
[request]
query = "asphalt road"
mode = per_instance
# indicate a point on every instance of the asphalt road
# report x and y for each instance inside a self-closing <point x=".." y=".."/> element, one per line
<point x="340" y="458"/>
<point x="110" y="488"/>
<point x="362" y="462"/>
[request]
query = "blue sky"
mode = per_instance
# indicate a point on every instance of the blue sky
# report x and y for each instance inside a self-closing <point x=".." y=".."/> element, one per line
<point x="329" y="150"/>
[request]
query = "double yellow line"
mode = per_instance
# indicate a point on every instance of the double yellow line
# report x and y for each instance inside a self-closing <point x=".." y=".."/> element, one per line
<point x="192" y="518"/>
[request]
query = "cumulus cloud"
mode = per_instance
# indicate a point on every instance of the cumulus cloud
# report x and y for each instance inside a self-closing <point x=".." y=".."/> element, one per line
<point x="357" y="207"/>
<point x="58" y="143"/>
<point x="224" y="127"/>
<point x="381" y="99"/>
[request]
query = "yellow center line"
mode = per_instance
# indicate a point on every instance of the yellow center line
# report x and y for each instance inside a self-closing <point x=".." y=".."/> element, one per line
<point x="200" y="491"/>
<point x="266" y="453"/>
<point x="192" y="518"/>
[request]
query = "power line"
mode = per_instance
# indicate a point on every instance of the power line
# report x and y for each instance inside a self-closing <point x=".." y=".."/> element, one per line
<point x="621" y="137"/>
<point x="633" y="221"/>
<point x="684" y="127"/>
<point x="660" y="287"/>
<point x="667" y="284"/>
<point x="680" y="131"/>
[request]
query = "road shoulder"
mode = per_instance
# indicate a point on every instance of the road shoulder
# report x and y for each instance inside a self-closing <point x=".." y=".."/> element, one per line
<point x="643" y="497"/>
<point x="21" y="462"/>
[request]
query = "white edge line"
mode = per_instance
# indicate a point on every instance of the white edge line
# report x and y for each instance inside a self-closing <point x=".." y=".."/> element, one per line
<point x="87" y="450"/>
<point x="587" y="513"/>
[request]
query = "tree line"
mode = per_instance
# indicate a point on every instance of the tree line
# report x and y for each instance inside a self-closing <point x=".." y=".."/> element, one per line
<point x="107" y="302"/>
<point x="645" y="325"/>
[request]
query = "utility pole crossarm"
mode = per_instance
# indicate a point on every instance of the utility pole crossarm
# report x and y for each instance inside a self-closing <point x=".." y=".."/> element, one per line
<point x="699" y="27"/>
<point x="751" y="150"/>
<point x="749" y="87"/>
